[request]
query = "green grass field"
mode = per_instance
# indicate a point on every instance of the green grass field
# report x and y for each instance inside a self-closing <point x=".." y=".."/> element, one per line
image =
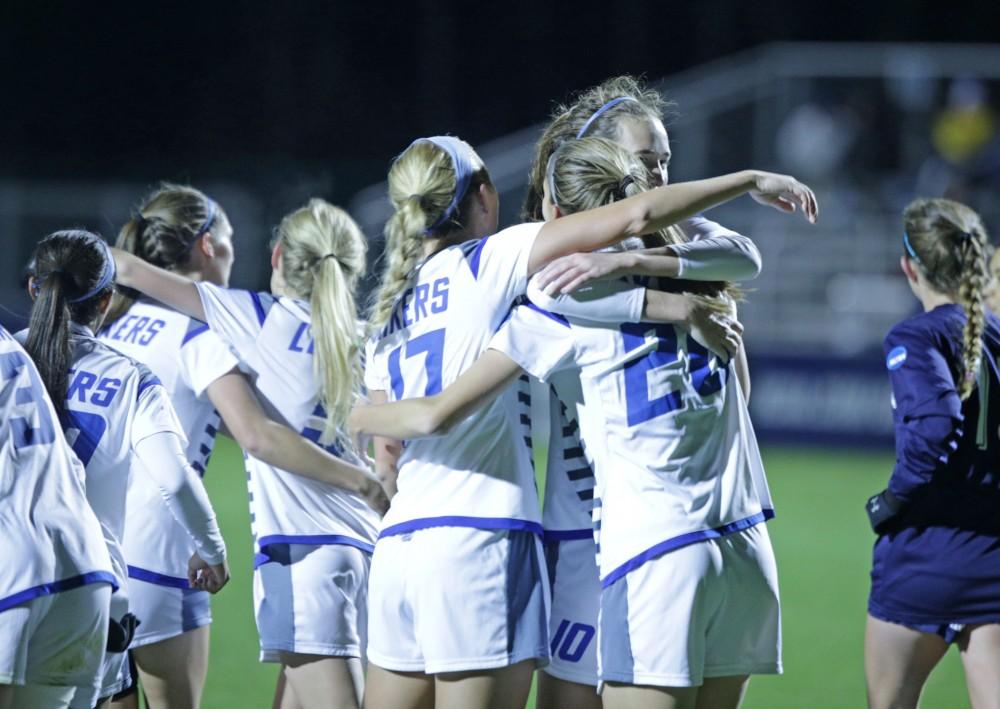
<point x="821" y="539"/>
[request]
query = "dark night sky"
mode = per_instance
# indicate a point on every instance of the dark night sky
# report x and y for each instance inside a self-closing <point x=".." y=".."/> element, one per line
<point x="231" y="90"/>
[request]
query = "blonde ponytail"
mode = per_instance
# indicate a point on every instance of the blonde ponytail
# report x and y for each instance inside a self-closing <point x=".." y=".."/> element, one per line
<point x="949" y="246"/>
<point x="322" y="258"/>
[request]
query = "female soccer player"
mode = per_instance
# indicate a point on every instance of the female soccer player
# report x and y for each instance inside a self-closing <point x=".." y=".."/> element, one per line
<point x="183" y="230"/>
<point x="643" y="385"/>
<point x="313" y="538"/>
<point x="56" y="579"/>
<point x="936" y="568"/>
<point x="466" y="506"/>
<point x="623" y="110"/>
<point x="118" y="417"/>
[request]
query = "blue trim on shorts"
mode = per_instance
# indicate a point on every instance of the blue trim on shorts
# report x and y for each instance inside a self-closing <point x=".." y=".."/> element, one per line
<point x="68" y="584"/>
<point x="684" y="540"/>
<point x="264" y="557"/>
<point x="141" y="574"/>
<point x="554" y="536"/>
<point x="508" y="523"/>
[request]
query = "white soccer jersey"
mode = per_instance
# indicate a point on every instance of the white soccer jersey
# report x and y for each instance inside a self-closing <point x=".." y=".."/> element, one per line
<point x="112" y="404"/>
<point x="569" y="477"/>
<point x="668" y="429"/>
<point x="272" y="339"/>
<point x="186" y="356"/>
<point x="53" y="541"/>
<point x="479" y="474"/>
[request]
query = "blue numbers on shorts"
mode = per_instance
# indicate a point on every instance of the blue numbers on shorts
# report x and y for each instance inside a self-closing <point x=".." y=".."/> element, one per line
<point x="571" y="640"/>
<point x="640" y="408"/>
<point x="430" y="343"/>
<point x="22" y="433"/>
<point x="89" y="429"/>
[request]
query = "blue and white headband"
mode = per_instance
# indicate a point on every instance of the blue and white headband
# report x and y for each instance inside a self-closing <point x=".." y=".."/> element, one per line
<point x="465" y="163"/>
<point x="601" y="111"/>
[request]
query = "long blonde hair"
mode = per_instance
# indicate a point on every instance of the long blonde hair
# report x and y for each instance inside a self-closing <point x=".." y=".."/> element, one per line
<point x="949" y="246"/>
<point x="422" y="183"/>
<point x="163" y="232"/>
<point x="570" y="118"/>
<point x="322" y="258"/>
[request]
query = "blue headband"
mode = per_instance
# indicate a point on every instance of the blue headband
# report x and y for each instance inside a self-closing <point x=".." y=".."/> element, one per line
<point x="909" y="248"/>
<point x="107" y="276"/>
<point x="599" y="112"/>
<point x="465" y="164"/>
<point x="211" y="212"/>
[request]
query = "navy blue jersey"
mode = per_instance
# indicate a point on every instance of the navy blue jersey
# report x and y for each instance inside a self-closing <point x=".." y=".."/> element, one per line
<point x="939" y="562"/>
<point x="947" y="451"/>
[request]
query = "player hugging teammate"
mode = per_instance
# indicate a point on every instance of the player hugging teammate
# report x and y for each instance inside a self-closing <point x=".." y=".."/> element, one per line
<point x="648" y="578"/>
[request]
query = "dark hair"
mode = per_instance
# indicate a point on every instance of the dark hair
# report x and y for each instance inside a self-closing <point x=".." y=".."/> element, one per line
<point x="73" y="270"/>
<point x="164" y="232"/>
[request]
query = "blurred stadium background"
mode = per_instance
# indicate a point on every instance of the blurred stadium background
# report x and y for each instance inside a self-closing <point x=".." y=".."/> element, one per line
<point x="265" y="106"/>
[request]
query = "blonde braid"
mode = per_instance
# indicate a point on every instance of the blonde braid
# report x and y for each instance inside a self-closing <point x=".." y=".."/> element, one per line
<point x="949" y="247"/>
<point x="970" y="296"/>
<point x="422" y="182"/>
<point x="404" y="248"/>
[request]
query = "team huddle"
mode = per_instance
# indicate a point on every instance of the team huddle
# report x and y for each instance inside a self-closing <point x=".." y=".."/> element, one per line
<point x="401" y="557"/>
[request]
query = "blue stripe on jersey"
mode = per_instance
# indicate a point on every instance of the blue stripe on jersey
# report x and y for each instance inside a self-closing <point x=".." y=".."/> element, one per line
<point x="47" y="589"/>
<point x="555" y="316"/>
<point x="474" y="255"/>
<point x="195" y="328"/>
<point x="262" y="302"/>
<point x="140" y="574"/>
<point x="146" y="383"/>
<point x="414" y="525"/>
<point x="566" y="535"/>
<point x="684" y="540"/>
<point x="264" y="543"/>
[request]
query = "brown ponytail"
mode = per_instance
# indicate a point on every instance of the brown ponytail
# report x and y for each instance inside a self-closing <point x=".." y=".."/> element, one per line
<point x="71" y="276"/>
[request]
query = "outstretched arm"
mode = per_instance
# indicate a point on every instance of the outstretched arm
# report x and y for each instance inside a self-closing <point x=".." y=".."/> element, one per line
<point x="658" y="208"/>
<point x="436" y="415"/>
<point x="172" y="289"/>
<point x="280" y="446"/>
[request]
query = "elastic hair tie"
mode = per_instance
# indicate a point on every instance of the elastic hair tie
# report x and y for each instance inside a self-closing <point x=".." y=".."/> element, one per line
<point x="599" y="112"/>
<point x="336" y="258"/>
<point x="623" y="186"/>
<point x="465" y="165"/>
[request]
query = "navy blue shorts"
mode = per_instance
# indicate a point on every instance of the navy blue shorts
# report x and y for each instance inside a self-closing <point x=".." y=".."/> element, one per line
<point x="936" y="579"/>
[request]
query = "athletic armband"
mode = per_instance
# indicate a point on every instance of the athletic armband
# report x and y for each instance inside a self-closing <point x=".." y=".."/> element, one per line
<point x="882" y="509"/>
<point x="121" y="632"/>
